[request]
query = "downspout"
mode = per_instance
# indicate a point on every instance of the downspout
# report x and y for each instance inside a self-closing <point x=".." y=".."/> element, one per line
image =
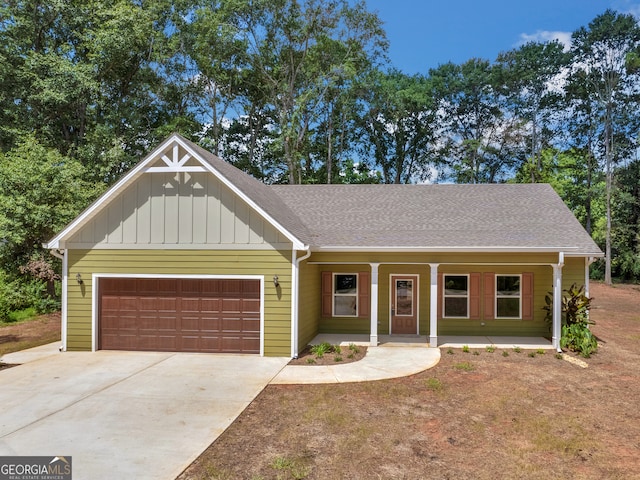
<point x="557" y="301"/>
<point x="294" y="301"/>
<point x="62" y="255"/>
<point x="587" y="286"/>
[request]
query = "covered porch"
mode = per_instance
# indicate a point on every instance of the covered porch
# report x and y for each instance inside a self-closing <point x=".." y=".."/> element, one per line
<point x="477" y="327"/>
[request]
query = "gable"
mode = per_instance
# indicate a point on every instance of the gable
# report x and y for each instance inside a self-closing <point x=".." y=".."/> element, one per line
<point x="186" y="209"/>
<point x="182" y="196"/>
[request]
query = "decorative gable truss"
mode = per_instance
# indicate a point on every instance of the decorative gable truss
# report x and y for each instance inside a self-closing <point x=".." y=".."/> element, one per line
<point x="180" y="161"/>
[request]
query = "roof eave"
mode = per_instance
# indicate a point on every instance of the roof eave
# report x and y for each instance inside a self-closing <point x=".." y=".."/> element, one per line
<point x="571" y="251"/>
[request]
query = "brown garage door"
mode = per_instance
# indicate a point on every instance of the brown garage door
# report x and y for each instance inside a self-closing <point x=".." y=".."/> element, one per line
<point x="179" y="315"/>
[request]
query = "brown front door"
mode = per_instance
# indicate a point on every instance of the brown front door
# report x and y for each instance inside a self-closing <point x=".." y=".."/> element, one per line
<point x="404" y="304"/>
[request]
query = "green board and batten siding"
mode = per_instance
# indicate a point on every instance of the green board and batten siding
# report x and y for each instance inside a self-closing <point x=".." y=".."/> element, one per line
<point x="277" y="301"/>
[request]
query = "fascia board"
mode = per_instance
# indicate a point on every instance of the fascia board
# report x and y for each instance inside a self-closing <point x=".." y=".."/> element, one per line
<point x="498" y="249"/>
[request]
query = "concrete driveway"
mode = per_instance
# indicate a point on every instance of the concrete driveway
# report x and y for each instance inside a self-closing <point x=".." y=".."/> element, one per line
<point x="125" y="414"/>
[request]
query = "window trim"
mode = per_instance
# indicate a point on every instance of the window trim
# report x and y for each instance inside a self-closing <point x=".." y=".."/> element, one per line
<point x="334" y="294"/>
<point x="445" y="296"/>
<point x="497" y="296"/>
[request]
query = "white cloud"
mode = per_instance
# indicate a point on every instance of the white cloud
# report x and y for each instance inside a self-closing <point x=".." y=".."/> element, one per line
<point x="546" y="36"/>
<point x="634" y="10"/>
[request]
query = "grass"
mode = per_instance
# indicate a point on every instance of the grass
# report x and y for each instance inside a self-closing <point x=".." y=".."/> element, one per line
<point x="20" y="316"/>
<point x="292" y="467"/>
<point x="464" y="366"/>
<point x="434" y="384"/>
<point x="28" y="333"/>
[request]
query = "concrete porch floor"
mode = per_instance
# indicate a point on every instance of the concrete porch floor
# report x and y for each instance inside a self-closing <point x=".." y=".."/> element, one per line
<point x="444" y="341"/>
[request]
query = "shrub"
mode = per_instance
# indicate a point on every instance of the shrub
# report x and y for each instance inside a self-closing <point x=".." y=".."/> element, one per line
<point x="320" y="349"/>
<point x="578" y="338"/>
<point x="576" y="335"/>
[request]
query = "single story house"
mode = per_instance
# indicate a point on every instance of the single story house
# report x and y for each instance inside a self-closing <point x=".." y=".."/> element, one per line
<point x="188" y="253"/>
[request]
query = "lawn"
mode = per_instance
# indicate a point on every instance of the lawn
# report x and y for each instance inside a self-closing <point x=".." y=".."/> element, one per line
<point x="19" y="335"/>
<point x="476" y="415"/>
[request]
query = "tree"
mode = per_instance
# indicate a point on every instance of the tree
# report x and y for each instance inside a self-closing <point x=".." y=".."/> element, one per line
<point x="40" y="192"/>
<point x="529" y="78"/>
<point x="480" y="143"/>
<point x="396" y="125"/>
<point x="297" y="52"/>
<point x="602" y="63"/>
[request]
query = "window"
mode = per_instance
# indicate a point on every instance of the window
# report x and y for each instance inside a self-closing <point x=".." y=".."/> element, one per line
<point x="345" y="295"/>
<point x="456" y="296"/>
<point x="508" y="296"/>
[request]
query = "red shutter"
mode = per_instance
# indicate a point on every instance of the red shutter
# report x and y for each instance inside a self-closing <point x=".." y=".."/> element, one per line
<point x="440" y="313"/>
<point x="527" y="296"/>
<point x="474" y="296"/>
<point x="364" y="297"/>
<point x="489" y="295"/>
<point x="327" y="294"/>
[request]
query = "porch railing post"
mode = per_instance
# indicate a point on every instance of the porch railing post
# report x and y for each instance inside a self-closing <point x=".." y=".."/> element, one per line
<point x="374" y="305"/>
<point x="433" y="306"/>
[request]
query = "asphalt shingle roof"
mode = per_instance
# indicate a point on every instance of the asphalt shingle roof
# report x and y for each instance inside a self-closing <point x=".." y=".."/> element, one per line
<point x="486" y="216"/>
<point x="514" y="216"/>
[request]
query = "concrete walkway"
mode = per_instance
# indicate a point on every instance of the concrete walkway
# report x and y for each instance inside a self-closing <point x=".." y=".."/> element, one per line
<point x="379" y="363"/>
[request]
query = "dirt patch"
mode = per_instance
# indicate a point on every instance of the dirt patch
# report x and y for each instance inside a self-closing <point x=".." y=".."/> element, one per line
<point x="32" y="333"/>
<point x="479" y="415"/>
<point x="338" y="354"/>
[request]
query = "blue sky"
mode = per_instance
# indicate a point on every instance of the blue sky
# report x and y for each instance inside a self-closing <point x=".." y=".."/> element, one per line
<point x="426" y="33"/>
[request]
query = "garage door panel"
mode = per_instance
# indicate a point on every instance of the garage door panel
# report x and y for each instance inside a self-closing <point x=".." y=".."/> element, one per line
<point x="250" y="306"/>
<point x="190" y="315"/>
<point x="210" y="305"/>
<point x="190" y="304"/>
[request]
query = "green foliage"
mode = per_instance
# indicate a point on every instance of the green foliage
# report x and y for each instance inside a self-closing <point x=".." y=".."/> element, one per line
<point x="576" y="335"/>
<point x="578" y="338"/>
<point x="490" y="348"/>
<point x="295" y="468"/>
<point x="464" y="366"/>
<point x="20" y="295"/>
<point x="40" y="192"/>
<point x="434" y="384"/>
<point x="465" y="348"/>
<point x="575" y="306"/>
<point x="320" y="349"/>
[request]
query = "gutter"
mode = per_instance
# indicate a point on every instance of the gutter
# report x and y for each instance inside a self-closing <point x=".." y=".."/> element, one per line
<point x="62" y="255"/>
<point x="294" y="302"/>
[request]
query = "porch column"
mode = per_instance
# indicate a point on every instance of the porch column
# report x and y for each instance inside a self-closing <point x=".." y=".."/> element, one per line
<point x="557" y="305"/>
<point x="373" y="341"/>
<point x="433" y="306"/>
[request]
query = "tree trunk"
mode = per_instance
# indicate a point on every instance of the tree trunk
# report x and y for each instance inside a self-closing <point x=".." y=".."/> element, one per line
<point x="609" y="174"/>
